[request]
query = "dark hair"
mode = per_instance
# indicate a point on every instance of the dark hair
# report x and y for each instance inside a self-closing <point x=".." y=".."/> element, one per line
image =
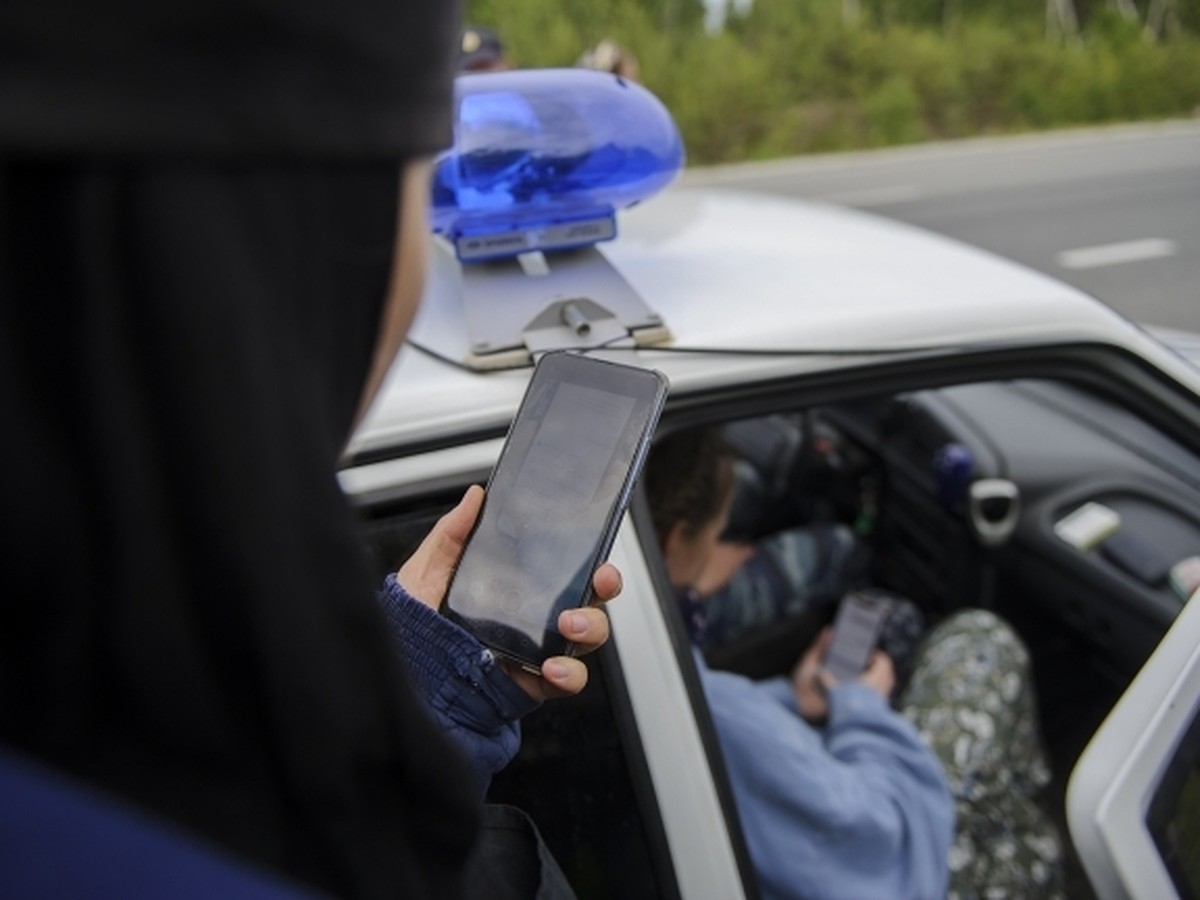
<point x="688" y="478"/>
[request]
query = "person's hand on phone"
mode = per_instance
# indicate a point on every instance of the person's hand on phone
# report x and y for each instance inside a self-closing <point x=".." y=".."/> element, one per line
<point x="811" y="682"/>
<point x="806" y="680"/>
<point x="880" y="674"/>
<point x="426" y="576"/>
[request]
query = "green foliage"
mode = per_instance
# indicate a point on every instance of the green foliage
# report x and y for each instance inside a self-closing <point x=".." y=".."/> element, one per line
<point x="893" y="112"/>
<point x="790" y="76"/>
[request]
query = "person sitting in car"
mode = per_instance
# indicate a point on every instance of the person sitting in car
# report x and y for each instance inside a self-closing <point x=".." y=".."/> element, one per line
<point x="839" y="794"/>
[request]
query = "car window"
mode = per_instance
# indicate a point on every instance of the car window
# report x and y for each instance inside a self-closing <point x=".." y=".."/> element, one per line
<point x="590" y="796"/>
<point x="893" y="474"/>
<point x="1173" y="818"/>
<point x="579" y="774"/>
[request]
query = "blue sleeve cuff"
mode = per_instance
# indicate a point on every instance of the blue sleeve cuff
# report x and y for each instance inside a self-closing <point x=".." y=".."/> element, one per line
<point x="852" y="701"/>
<point x="460" y="680"/>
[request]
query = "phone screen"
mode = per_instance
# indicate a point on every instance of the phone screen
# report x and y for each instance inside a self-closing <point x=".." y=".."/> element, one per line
<point x="554" y="502"/>
<point x="855" y="634"/>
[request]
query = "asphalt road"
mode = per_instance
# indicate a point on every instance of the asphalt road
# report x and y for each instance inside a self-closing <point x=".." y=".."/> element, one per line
<point x="1114" y="211"/>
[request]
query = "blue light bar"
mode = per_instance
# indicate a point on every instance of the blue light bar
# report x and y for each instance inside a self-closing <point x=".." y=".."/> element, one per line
<point x="543" y="159"/>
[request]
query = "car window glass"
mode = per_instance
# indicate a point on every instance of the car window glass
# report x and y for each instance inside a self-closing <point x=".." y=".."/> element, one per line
<point x="1174" y="815"/>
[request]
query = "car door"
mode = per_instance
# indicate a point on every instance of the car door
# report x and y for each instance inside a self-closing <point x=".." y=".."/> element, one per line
<point x="619" y="779"/>
<point x="1133" y="802"/>
<point x="676" y="736"/>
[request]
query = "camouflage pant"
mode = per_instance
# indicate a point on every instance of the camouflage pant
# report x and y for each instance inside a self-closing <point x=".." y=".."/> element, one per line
<point x="971" y="698"/>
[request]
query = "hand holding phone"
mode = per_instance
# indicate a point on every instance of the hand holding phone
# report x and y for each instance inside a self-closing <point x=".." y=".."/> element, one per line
<point x="812" y="699"/>
<point x="426" y="575"/>
<point x="553" y="503"/>
<point x="856" y="630"/>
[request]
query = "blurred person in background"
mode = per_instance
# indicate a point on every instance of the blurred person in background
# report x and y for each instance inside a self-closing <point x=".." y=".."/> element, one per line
<point x="212" y="241"/>
<point x="840" y="794"/>
<point x="481" y="50"/>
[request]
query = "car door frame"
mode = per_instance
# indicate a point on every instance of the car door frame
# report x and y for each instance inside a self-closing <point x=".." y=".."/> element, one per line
<point x="1140" y="744"/>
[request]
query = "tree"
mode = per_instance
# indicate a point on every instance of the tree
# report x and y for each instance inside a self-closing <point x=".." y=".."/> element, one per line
<point x="1162" y="19"/>
<point x="1061" y="21"/>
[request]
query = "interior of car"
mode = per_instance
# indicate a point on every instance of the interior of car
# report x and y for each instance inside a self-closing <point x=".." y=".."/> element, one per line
<point x="1057" y="508"/>
<point x="1061" y="509"/>
<point x="899" y="470"/>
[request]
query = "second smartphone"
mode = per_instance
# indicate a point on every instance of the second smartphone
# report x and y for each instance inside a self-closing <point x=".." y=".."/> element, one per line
<point x="856" y="630"/>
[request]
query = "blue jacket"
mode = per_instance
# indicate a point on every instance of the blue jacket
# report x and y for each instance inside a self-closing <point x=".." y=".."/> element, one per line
<point x="858" y="809"/>
<point x="461" y="682"/>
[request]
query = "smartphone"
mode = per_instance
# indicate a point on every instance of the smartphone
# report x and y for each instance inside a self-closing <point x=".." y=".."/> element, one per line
<point x="553" y="503"/>
<point x="856" y="630"/>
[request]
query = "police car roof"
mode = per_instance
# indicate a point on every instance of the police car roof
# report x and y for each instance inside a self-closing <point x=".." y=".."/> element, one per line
<point x="732" y="270"/>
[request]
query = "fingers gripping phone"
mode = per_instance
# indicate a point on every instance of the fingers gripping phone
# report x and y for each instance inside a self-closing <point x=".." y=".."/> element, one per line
<point x="554" y="502"/>
<point x="856" y="630"/>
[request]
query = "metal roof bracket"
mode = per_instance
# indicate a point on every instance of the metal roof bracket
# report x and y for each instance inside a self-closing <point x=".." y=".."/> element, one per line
<point x="520" y="307"/>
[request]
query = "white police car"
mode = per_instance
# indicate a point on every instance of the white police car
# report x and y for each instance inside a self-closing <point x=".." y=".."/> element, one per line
<point x="995" y="430"/>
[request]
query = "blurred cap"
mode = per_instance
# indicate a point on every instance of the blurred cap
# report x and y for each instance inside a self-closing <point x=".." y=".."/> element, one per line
<point x="481" y="49"/>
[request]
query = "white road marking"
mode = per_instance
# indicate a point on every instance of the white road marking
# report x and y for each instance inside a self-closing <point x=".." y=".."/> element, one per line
<point x="1116" y="254"/>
